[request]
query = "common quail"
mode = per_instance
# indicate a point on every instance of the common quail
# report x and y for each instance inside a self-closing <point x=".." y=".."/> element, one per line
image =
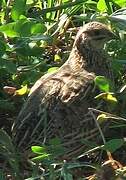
<point x="57" y="106"/>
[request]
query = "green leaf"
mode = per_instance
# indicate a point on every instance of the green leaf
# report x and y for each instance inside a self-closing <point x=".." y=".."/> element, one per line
<point x="121" y="3"/>
<point x="18" y="9"/>
<point x="111" y="98"/>
<point x="8" y="65"/>
<point x="9" y="30"/>
<point x="88" y="143"/>
<point x="6" y="106"/>
<point x="55" y="141"/>
<point x="30" y="49"/>
<point x="101" y="6"/>
<point x="107" y="97"/>
<point x="113" y="145"/>
<point x="2" y="48"/>
<point x="13" y="29"/>
<point x="23" y="28"/>
<point x="41" y="157"/>
<point x="121" y="61"/>
<point x="2" y="176"/>
<point x="22" y="91"/>
<point x="55" y="147"/>
<point x="5" y="141"/>
<point x="102" y="117"/>
<point x="41" y="151"/>
<point x="57" y="58"/>
<point x="38" y="149"/>
<point x="38" y="28"/>
<point x="28" y="28"/>
<point x="29" y="1"/>
<point x="65" y="173"/>
<point x="67" y="176"/>
<point x="102" y="83"/>
<point x="53" y="69"/>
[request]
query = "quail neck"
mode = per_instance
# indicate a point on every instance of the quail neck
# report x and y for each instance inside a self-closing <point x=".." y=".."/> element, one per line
<point x="88" y="49"/>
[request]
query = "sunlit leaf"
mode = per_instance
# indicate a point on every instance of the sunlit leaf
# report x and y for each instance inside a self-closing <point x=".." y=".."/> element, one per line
<point x="9" y="30"/>
<point x="41" y="151"/>
<point x="111" y="98"/>
<point x="38" y="149"/>
<point x="121" y="3"/>
<point x="102" y="83"/>
<point x="41" y="157"/>
<point x="22" y="91"/>
<point x="38" y="28"/>
<point x="53" y="69"/>
<point x="57" y="58"/>
<point x="107" y="97"/>
<point x="102" y="117"/>
<point x="113" y="145"/>
<point x="23" y="28"/>
<point x="101" y="6"/>
<point x="13" y="29"/>
<point x="29" y="1"/>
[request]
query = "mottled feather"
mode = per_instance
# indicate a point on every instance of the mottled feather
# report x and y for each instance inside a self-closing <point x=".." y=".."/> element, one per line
<point x="57" y="106"/>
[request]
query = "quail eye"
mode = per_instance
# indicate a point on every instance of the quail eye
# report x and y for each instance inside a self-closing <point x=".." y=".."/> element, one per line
<point x="96" y="32"/>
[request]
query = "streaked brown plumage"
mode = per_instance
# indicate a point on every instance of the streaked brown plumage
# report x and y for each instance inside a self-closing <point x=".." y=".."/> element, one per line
<point x="58" y="102"/>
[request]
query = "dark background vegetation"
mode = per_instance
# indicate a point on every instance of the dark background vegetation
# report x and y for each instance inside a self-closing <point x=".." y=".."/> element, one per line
<point x="36" y="37"/>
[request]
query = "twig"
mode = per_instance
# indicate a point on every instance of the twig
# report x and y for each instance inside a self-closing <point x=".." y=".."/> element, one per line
<point x="112" y="116"/>
<point x="99" y="128"/>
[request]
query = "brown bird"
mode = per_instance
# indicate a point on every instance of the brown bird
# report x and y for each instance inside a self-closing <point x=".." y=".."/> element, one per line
<point x="57" y="106"/>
